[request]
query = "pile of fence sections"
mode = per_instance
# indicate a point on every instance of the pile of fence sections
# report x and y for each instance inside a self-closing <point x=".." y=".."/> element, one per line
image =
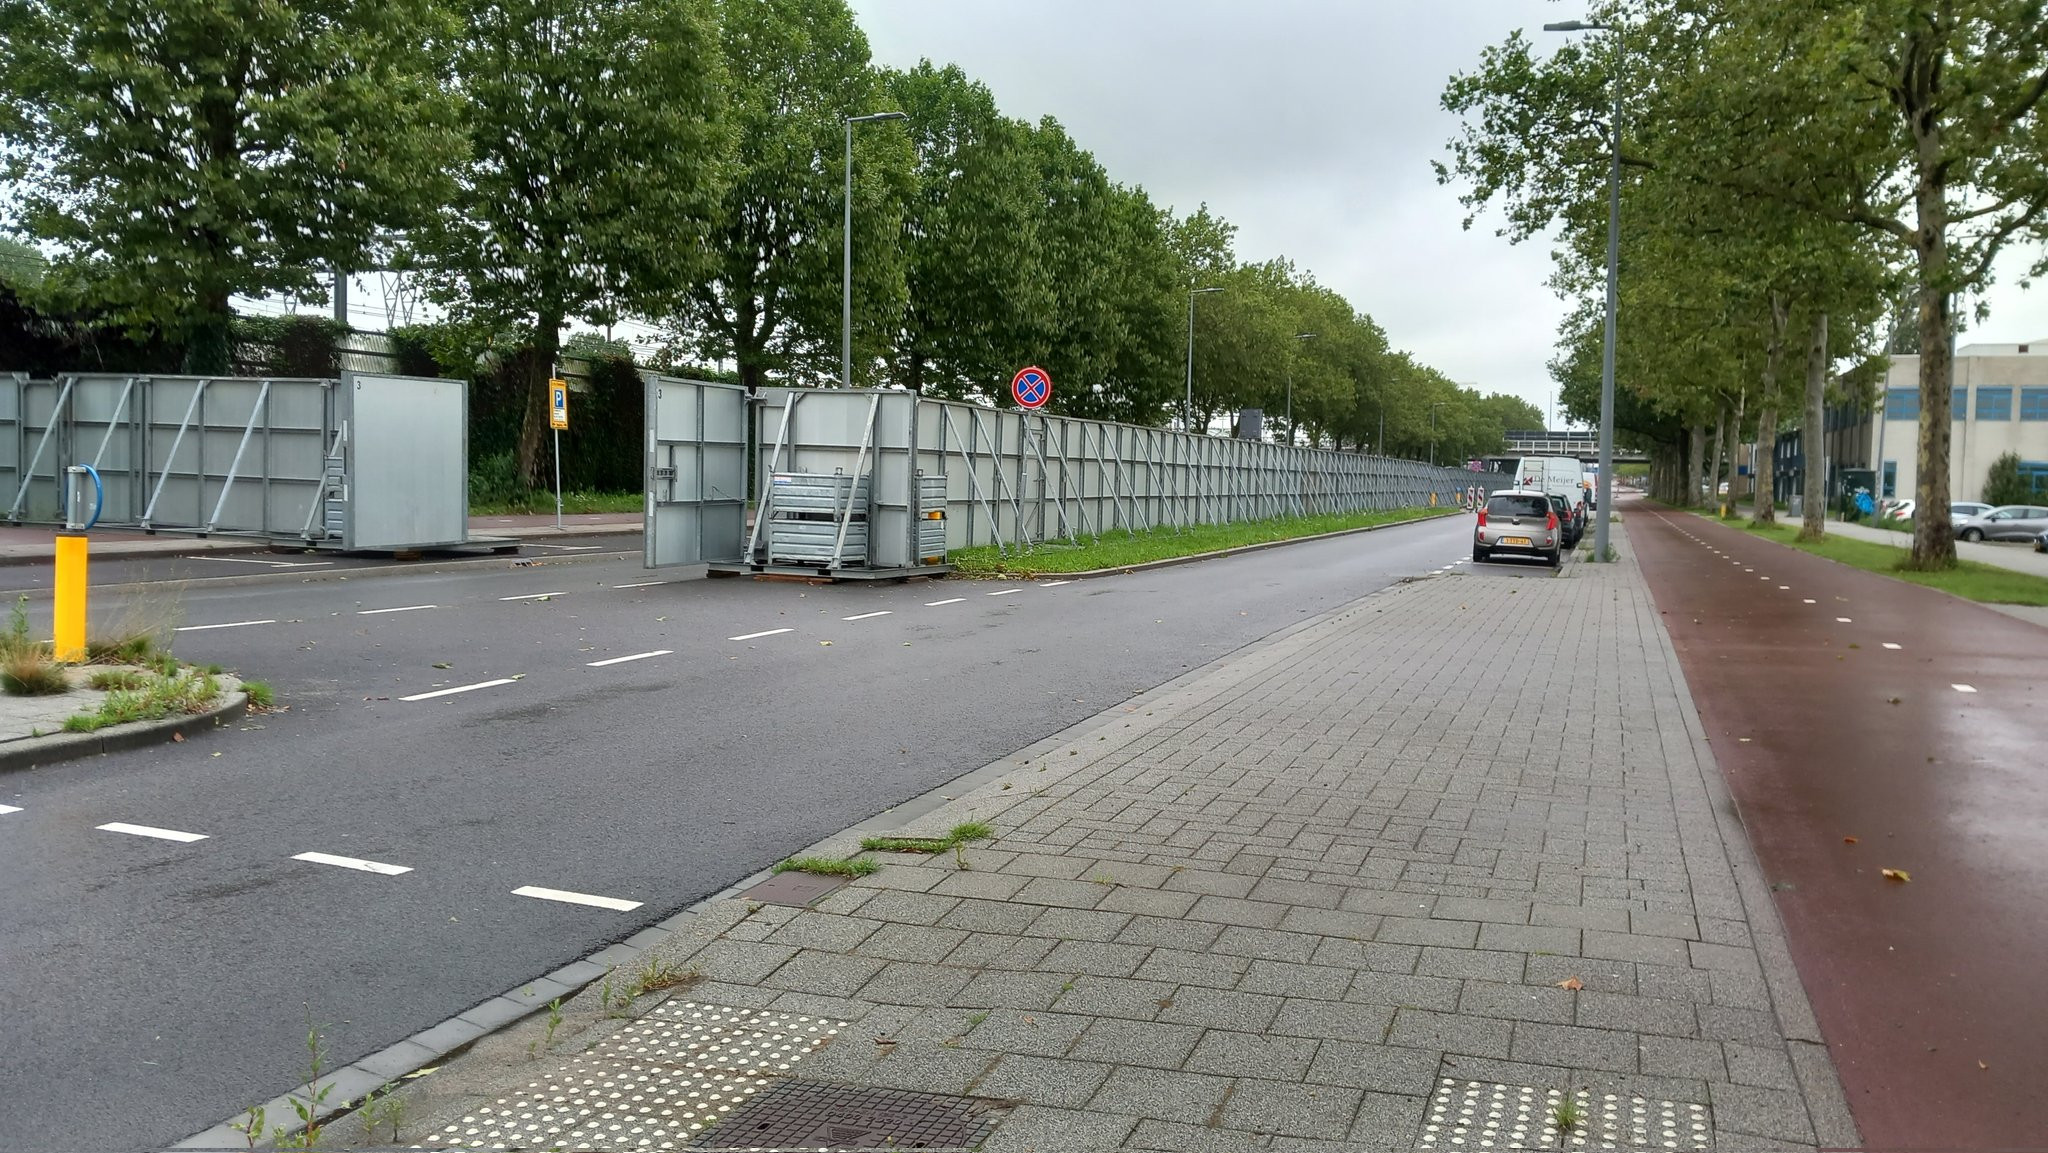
<point x="364" y="462"/>
<point x="945" y="473"/>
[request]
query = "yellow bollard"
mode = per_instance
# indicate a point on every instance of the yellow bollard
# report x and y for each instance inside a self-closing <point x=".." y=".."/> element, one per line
<point x="68" y="613"/>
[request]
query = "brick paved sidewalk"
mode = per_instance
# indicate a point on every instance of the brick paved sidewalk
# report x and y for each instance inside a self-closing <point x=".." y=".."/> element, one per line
<point x="1324" y="894"/>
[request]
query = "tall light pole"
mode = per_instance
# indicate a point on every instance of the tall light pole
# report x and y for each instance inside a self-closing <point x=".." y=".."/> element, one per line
<point x="1187" y="412"/>
<point x="846" y="267"/>
<point x="1433" y="406"/>
<point x="1604" y="483"/>
<point x="1298" y="338"/>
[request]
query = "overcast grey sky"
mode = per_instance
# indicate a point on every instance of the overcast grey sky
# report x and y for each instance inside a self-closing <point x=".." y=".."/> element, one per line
<point x="1310" y="124"/>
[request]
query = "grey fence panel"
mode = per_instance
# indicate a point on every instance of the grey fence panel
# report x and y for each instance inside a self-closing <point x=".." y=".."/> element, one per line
<point x="1019" y="480"/>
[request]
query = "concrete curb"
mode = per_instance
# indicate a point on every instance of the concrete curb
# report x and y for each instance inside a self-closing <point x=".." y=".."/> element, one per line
<point x="57" y="748"/>
<point x="1219" y="554"/>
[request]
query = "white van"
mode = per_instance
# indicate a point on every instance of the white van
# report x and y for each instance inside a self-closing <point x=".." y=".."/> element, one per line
<point x="1562" y="476"/>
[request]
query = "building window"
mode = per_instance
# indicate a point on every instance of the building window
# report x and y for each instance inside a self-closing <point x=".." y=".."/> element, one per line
<point x="1994" y="404"/>
<point x="1903" y="404"/>
<point x="1958" y="403"/>
<point x="2035" y="473"/>
<point x="1891" y="479"/>
<point x="2034" y="404"/>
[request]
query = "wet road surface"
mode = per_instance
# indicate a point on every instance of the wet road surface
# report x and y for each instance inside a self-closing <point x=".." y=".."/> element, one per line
<point x="1842" y="704"/>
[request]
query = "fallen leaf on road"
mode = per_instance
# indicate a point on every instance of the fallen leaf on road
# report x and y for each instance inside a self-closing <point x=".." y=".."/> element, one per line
<point x="827" y="644"/>
<point x="1848" y="840"/>
<point x="1572" y="983"/>
<point x="885" y="1042"/>
<point x="178" y="737"/>
<point x="443" y="665"/>
<point x="1896" y="874"/>
<point x="1982" y="1065"/>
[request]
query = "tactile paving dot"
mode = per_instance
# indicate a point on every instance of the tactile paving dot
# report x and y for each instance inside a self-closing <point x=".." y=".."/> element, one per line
<point x="654" y="1084"/>
<point x="1480" y="1115"/>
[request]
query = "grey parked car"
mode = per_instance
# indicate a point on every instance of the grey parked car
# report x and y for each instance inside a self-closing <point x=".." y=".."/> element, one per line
<point x="1518" y="522"/>
<point x="2007" y="522"/>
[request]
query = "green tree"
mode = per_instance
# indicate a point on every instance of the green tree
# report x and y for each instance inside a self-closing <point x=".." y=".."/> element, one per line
<point x="596" y="156"/>
<point x="2003" y="483"/>
<point x="979" y="306"/>
<point x="21" y="266"/>
<point x="179" y="152"/>
<point x="771" y="304"/>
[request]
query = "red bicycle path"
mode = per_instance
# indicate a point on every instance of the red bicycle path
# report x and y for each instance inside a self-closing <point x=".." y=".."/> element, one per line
<point x="1932" y="992"/>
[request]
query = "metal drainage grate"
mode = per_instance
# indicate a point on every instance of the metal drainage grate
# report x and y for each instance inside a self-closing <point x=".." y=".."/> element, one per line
<point x="798" y="1115"/>
<point x="793" y="888"/>
<point x="1469" y="1115"/>
<point x="655" y="1084"/>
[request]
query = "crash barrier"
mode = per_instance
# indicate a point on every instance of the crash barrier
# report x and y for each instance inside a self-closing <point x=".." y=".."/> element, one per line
<point x="363" y="462"/>
<point x="914" y="477"/>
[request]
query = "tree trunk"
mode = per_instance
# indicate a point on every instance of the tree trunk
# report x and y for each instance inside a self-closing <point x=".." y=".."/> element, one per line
<point x="1813" y="440"/>
<point x="1764" y="468"/>
<point x="1695" y="465"/>
<point x="1924" y="106"/>
<point x="540" y="367"/>
<point x="1719" y="459"/>
<point x="1734" y="451"/>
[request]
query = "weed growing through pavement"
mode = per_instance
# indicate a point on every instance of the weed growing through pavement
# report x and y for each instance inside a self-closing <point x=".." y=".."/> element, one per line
<point x="1564" y="1115"/>
<point x="251" y="1125"/>
<point x="309" y="1103"/>
<point x="826" y="866"/>
<point x="905" y="844"/>
<point x="175" y="691"/>
<point x="660" y="974"/>
<point x="972" y="831"/>
<point x="110" y="680"/>
<point x="381" y="1109"/>
<point x="33" y="673"/>
<point x="261" y="695"/>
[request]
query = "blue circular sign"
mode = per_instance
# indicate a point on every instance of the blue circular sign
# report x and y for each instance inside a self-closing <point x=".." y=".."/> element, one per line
<point x="1031" y="387"/>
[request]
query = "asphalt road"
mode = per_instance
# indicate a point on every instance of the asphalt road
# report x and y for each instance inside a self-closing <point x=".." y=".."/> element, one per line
<point x="156" y="986"/>
<point x="33" y="577"/>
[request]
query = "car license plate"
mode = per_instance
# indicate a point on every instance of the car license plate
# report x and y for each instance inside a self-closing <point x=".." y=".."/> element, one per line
<point x="1521" y="541"/>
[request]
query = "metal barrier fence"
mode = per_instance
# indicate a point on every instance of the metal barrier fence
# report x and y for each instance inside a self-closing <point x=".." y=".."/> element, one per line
<point x="364" y="462"/>
<point x="1017" y="479"/>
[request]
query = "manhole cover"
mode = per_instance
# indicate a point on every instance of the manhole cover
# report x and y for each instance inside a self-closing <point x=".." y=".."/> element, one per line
<point x="792" y="888"/>
<point x="800" y="1115"/>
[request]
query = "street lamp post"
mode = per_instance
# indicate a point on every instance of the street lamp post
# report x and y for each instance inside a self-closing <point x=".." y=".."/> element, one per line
<point x="846" y="265"/>
<point x="1604" y="483"/>
<point x="1433" y="406"/>
<point x="1298" y="338"/>
<point x="1187" y="412"/>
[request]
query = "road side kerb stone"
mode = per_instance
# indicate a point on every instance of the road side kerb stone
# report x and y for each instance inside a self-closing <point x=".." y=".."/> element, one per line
<point x="1395" y="893"/>
<point x="58" y="747"/>
<point x="1219" y="554"/>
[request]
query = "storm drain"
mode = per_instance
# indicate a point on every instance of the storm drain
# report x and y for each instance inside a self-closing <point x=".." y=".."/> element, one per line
<point x="1469" y="1115"/>
<point x="793" y="887"/>
<point x="655" y="1084"/>
<point x="796" y="1115"/>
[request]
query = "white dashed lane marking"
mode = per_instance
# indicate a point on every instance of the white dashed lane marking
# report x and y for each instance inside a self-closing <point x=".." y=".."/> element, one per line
<point x="531" y="597"/>
<point x="150" y="831"/>
<point x="228" y="625"/>
<point x="1002" y="592"/>
<point x="1843" y="621"/>
<point x="1890" y="645"/>
<point x="759" y="635"/>
<point x="353" y="863"/>
<point x="567" y="897"/>
<point x="642" y="584"/>
<point x="936" y="604"/>
<point x="634" y="657"/>
<point x="1054" y="584"/>
<point x="868" y="616"/>
<point x="406" y="609"/>
<point x="459" y="689"/>
<point x="9" y="809"/>
<point x="1964" y="688"/>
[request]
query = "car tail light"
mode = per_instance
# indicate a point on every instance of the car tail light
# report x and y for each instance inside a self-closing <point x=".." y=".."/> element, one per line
<point x="1482" y="516"/>
<point x="1551" y="524"/>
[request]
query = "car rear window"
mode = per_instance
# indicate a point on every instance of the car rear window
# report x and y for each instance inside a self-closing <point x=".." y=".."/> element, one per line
<point x="1510" y="505"/>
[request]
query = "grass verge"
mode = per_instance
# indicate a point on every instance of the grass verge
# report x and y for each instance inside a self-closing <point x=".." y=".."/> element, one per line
<point x="1970" y="580"/>
<point x="572" y="503"/>
<point x="1118" y="549"/>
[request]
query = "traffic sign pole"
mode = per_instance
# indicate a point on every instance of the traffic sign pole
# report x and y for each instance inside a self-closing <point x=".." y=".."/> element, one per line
<point x="558" y="419"/>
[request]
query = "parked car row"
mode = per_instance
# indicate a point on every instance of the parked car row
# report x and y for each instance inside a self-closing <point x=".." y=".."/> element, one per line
<point x="1544" y="513"/>
<point x="1973" y="520"/>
